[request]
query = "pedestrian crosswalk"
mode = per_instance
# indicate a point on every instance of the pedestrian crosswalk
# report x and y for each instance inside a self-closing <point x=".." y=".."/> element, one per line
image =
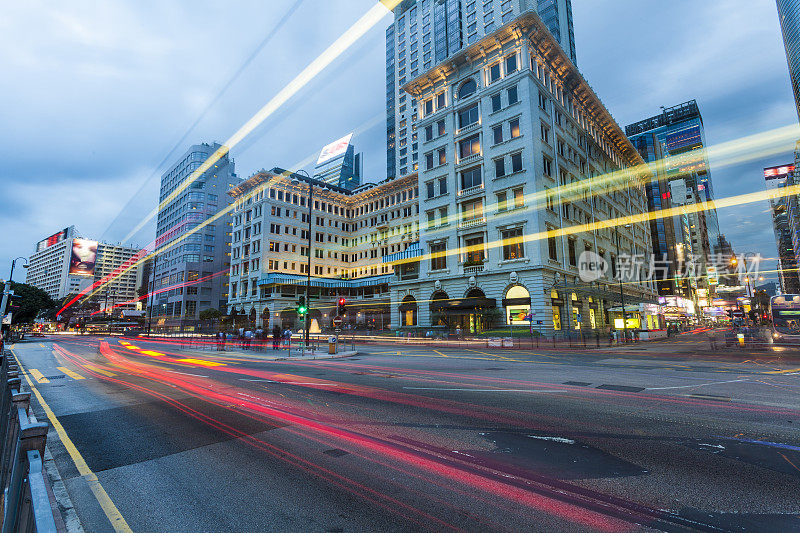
<point x="64" y="372"/>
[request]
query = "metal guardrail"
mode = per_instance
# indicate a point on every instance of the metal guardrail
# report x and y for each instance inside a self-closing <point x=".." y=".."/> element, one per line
<point x="25" y="501"/>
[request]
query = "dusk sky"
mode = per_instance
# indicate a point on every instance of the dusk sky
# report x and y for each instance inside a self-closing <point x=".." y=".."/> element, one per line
<point x="96" y="95"/>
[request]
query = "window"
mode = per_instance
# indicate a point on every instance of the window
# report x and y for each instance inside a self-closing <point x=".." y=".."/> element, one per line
<point x="573" y="260"/>
<point x="429" y="186"/>
<point x="494" y="72"/>
<point x="472" y="210"/>
<point x="469" y="146"/>
<point x="438" y="256"/>
<point x="474" y="248"/>
<point x="467" y="88"/>
<point x="514" y="127"/>
<point x="429" y="161"/>
<point x="471" y="177"/>
<point x="442" y="153"/>
<point x="440" y="130"/>
<point x="513" y="97"/>
<point x="443" y="220"/>
<point x="468" y="116"/>
<point x="428" y="132"/>
<point x="428" y="107"/>
<point x="511" y="64"/>
<point x="439" y="101"/>
<point x="497" y="134"/>
<point x="516" y="162"/>
<point x="547" y="166"/>
<point x="500" y="167"/>
<point x="502" y="201"/>
<point x="545" y="131"/>
<point x="442" y="185"/>
<point x="552" y="247"/>
<point x="519" y="198"/>
<point x="543" y="101"/>
<point x="512" y="244"/>
<point x="496" y="104"/>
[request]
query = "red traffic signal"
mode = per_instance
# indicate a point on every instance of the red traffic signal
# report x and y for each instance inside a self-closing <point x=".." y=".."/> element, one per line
<point x="341" y="306"/>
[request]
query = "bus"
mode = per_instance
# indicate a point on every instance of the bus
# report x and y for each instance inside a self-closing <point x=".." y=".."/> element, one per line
<point x="785" y="313"/>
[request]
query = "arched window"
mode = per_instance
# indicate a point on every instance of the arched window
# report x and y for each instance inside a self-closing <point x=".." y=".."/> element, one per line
<point x="518" y="305"/>
<point x="467" y="88"/>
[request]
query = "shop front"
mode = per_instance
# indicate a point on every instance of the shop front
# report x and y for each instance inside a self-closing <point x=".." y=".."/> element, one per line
<point x="472" y="314"/>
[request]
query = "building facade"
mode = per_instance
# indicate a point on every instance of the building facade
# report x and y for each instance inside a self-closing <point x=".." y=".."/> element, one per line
<point x="521" y="168"/>
<point x="190" y="270"/>
<point x="785" y="225"/>
<point x="66" y="264"/>
<point x="352" y="232"/>
<point x="673" y="143"/>
<point x="789" y="16"/>
<point x="425" y="33"/>
<point x="339" y="164"/>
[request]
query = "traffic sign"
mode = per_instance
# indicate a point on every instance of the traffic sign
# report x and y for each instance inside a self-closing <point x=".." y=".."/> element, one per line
<point x="337" y="321"/>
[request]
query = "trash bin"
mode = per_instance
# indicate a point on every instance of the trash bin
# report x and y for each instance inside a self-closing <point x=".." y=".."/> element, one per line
<point x="332" y="344"/>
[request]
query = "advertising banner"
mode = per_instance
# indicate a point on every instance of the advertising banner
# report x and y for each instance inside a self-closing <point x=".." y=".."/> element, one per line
<point x="84" y="257"/>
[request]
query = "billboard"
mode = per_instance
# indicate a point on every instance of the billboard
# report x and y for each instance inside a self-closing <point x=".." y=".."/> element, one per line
<point x="334" y="149"/>
<point x="773" y="173"/>
<point x="83" y="258"/>
<point x="51" y="240"/>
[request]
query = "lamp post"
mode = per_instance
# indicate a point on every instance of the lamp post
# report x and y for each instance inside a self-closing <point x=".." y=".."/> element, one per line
<point x="7" y="287"/>
<point x="621" y="294"/>
<point x="295" y="181"/>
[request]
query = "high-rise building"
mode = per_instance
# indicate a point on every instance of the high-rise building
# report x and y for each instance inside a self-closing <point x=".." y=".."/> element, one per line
<point x="518" y="159"/>
<point x="673" y="142"/>
<point x="338" y="164"/>
<point x="190" y="272"/>
<point x="789" y="15"/>
<point x="66" y="264"/>
<point x="425" y="33"/>
<point x="784" y="222"/>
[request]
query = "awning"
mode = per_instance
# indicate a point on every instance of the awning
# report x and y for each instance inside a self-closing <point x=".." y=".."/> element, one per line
<point x="516" y="301"/>
<point x="463" y="304"/>
<point x="274" y="278"/>
<point x="411" y="252"/>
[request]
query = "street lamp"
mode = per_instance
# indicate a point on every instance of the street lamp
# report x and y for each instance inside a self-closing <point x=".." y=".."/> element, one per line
<point x="621" y="294"/>
<point x="296" y="181"/>
<point x="7" y="287"/>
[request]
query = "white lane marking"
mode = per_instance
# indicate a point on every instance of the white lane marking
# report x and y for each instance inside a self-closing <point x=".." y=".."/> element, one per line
<point x="484" y="390"/>
<point x="562" y="440"/>
<point x="187" y="374"/>
<point x="698" y="385"/>
<point x="292" y="382"/>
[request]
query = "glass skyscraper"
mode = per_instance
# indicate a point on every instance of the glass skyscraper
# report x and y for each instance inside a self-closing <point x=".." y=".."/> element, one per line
<point x="789" y="14"/>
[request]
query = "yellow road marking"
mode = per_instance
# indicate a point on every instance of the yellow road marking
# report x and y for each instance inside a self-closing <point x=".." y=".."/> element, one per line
<point x="42" y="345"/>
<point x="110" y="510"/>
<point x="39" y="376"/>
<point x="131" y="347"/>
<point x="440" y="353"/>
<point x="100" y="370"/>
<point x="200" y="362"/>
<point x="124" y="343"/>
<point x="493" y="355"/>
<point x="783" y="371"/>
<point x="151" y="353"/>
<point x="70" y="373"/>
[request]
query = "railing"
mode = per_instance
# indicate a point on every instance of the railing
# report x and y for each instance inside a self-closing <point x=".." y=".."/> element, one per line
<point x="472" y="269"/>
<point x="25" y="498"/>
<point x="469" y="159"/>
<point x="466" y="129"/>
<point x="471" y="190"/>
<point x="472" y="222"/>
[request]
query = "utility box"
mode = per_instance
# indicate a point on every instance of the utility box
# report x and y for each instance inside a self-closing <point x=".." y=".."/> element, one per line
<point x="332" y="344"/>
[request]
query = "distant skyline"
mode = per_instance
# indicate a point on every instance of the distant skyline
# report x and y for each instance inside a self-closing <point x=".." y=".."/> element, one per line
<point x="100" y="94"/>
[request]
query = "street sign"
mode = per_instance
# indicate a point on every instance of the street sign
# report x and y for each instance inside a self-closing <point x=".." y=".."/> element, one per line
<point x="539" y="322"/>
<point x="337" y="321"/>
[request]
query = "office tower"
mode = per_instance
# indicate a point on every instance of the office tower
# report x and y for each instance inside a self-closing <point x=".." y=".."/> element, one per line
<point x="784" y="222"/>
<point x="680" y="162"/>
<point x="339" y="165"/>
<point x="789" y="15"/>
<point x="190" y="272"/>
<point x="427" y="32"/>
<point x="66" y="263"/>
<point x="517" y="156"/>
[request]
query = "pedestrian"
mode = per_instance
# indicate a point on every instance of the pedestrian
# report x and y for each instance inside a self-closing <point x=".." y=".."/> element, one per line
<point x="276" y="337"/>
<point x="287" y="335"/>
<point x="248" y="337"/>
<point x="218" y="338"/>
<point x="612" y="335"/>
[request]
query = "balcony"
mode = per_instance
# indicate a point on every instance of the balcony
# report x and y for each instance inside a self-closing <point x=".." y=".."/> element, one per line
<point x="467" y="129"/>
<point x="473" y="267"/>
<point x="470" y="159"/>
<point x="477" y="189"/>
<point x="472" y="222"/>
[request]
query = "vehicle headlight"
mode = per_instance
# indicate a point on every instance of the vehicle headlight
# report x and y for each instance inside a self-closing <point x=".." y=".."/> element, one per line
<point x="776" y="335"/>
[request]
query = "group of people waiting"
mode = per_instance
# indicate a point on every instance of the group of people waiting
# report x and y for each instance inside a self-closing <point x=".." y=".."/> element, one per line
<point x="243" y="338"/>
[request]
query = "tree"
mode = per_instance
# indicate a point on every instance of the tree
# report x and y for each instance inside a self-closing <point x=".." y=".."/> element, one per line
<point x="30" y="301"/>
<point x="210" y="314"/>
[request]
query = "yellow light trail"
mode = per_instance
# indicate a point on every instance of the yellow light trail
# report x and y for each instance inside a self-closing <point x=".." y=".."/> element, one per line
<point x="339" y="46"/>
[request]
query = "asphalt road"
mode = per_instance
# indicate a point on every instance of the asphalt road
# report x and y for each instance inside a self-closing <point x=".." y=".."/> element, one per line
<point x="152" y="437"/>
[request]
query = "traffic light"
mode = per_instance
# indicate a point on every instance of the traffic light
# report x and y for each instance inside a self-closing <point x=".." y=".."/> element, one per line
<point x="301" y="306"/>
<point x="341" y="307"/>
<point x="14" y="300"/>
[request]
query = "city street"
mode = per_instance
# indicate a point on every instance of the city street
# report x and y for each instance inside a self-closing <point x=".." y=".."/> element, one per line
<point x="152" y="437"/>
